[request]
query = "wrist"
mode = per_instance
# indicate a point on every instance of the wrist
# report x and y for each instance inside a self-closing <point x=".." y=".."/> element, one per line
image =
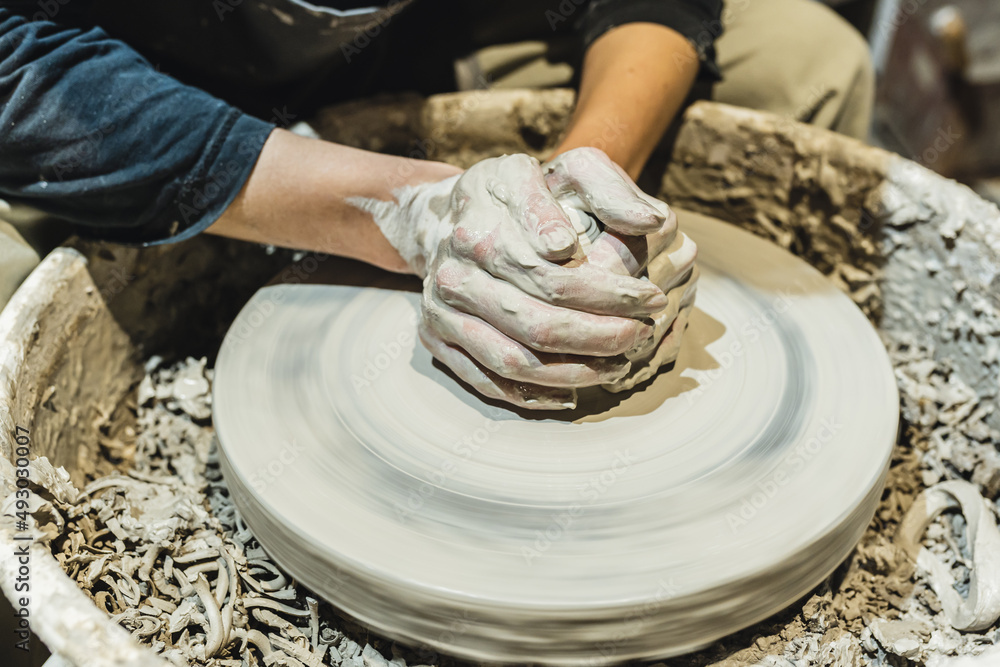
<point x="414" y="220"/>
<point x="398" y="203"/>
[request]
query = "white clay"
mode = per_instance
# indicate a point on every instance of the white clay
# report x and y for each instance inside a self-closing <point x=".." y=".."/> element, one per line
<point x="501" y="307"/>
<point x="652" y="521"/>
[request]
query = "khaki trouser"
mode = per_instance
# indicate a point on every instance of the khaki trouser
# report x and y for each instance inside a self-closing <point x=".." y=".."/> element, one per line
<point x="17" y="259"/>
<point x="798" y="59"/>
<point x="795" y="58"/>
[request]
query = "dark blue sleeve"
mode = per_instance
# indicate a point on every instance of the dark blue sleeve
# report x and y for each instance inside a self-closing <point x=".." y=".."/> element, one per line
<point x="93" y="133"/>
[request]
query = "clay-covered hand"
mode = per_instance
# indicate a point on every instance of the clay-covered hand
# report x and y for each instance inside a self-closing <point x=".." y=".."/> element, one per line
<point x="501" y="306"/>
<point x="585" y="181"/>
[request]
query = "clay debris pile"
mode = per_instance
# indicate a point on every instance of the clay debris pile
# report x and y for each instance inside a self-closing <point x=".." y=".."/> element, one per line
<point x="161" y="548"/>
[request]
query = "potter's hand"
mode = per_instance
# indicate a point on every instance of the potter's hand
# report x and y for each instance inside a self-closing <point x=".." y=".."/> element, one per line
<point x="498" y="307"/>
<point x="673" y="270"/>
<point x="585" y="180"/>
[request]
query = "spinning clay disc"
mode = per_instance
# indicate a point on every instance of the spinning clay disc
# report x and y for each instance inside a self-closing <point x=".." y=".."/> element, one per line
<point x="639" y="525"/>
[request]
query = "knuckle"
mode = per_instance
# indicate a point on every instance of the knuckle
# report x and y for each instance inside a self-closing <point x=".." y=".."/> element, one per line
<point x="510" y="364"/>
<point x="551" y="286"/>
<point x="541" y="205"/>
<point x="555" y="292"/>
<point x="448" y="277"/>
<point x="539" y="336"/>
<point x="520" y="161"/>
<point x="460" y="242"/>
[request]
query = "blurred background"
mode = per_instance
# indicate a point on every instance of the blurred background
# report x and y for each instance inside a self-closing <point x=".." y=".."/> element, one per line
<point x="938" y="91"/>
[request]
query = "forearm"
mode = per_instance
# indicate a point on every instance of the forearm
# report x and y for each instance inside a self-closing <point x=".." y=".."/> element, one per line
<point x="296" y="197"/>
<point x="634" y="80"/>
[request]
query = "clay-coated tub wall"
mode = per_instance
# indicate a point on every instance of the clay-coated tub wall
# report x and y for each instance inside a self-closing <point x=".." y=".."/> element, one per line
<point x="919" y="253"/>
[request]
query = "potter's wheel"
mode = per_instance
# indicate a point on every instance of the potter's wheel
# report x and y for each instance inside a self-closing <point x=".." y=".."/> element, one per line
<point x="640" y="525"/>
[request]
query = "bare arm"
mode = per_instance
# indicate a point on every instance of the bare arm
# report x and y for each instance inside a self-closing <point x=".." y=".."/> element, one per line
<point x="296" y="198"/>
<point x="486" y="240"/>
<point x="635" y="78"/>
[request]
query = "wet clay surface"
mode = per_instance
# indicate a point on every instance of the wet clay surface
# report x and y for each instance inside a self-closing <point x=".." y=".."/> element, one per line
<point x="552" y="532"/>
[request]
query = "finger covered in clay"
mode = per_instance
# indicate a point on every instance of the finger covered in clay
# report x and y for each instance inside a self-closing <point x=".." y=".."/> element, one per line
<point x="666" y="353"/>
<point x="664" y="256"/>
<point x="586" y="287"/>
<point x="491" y="385"/>
<point x="512" y="190"/>
<point x="679" y="297"/>
<point x="515" y="361"/>
<point x="630" y="255"/>
<point x="505" y="251"/>
<point x="587" y="178"/>
<point x="536" y="324"/>
<point x="672" y="266"/>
